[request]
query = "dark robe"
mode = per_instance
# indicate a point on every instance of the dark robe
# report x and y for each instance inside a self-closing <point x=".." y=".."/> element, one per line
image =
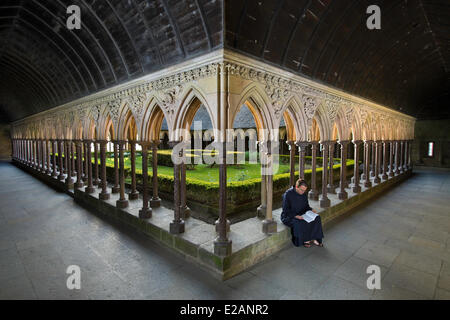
<point x="297" y="204"/>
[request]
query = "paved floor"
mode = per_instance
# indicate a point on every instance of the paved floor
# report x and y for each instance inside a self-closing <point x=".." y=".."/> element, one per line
<point x="405" y="233"/>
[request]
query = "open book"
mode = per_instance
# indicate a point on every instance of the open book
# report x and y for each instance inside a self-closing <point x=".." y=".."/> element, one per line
<point x="309" y="216"/>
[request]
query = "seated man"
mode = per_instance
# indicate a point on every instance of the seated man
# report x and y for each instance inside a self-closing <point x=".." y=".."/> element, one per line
<point x="295" y="204"/>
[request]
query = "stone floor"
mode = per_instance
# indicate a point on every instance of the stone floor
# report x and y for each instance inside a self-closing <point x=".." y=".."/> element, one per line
<point x="405" y="233"/>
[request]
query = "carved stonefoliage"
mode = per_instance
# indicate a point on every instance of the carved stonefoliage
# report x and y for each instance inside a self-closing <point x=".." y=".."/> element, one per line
<point x="114" y="109"/>
<point x="169" y="99"/>
<point x="137" y="104"/>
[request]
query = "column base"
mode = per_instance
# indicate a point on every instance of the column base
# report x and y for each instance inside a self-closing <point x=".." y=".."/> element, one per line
<point x="104" y="196"/>
<point x="356" y="189"/>
<point x="331" y="189"/>
<point x="222" y="247"/>
<point x="61" y="177"/>
<point x="155" y="202"/>
<point x="48" y="171"/>
<point x="145" y="213"/>
<point x="96" y="182"/>
<point x="185" y="212"/>
<point x="377" y="179"/>
<point x="261" y="211"/>
<point x="69" y="181"/>
<point x="74" y="174"/>
<point x="122" y="204"/>
<point x="325" y="202"/>
<point x="384" y="176"/>
<point x="313" y="195"/>
<point x="227" y="228"/>
<point x="89" y="190"/>
<point x="133" y="195"/>
<point x="343" y="195"/>
<point x="115" y="190"/>
<point x="391" y="174"/>
<point x="79" y="184"/>
<point x="367" y="184"/>
<point x="269" y="226"/>
<point x="176" y="227"/>
<point x="54" y="174"/>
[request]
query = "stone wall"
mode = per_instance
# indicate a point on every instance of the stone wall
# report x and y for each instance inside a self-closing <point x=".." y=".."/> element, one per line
<point x="437" y="131"/>
<point x="5" y="142"/>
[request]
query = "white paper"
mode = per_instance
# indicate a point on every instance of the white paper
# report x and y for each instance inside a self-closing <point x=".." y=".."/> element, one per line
<point x="309" y="216"/>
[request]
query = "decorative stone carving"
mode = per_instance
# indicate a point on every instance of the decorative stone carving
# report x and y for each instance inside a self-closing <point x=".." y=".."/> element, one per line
<point x="169" y="97"/>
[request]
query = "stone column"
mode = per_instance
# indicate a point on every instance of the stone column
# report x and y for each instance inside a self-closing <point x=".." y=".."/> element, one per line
<point x="38" y="154"/>
<point x="60" y="158"/>
<point x="400" y="165"/>
<point x="155" y="202"/>
<point x="342" y="195"/>
<point x="72" y="157"/>
<point x="122" y="202"/>
<point x="78" y="145"/>
<point x="409" y="155"/>
<point x="291" y="162"/>
<point x="331" y="188"/>
<point x="356" y="187"/>
<point x="104" y="195"/>
<point x="269" y="225"/>
<point x="373" y="157"/>
<point x="185" y="211"/>
<point x="261" y="210"/>
<point x="302" y="145"/>
<point x="54" y="173"/>
<point x="313" y="193"/>
<point x="324" y="201"/>
<point x="396" y="158"/>
<point x="134" y="194"/>
<point x="85" y="166"/>
<point x="90" y="187"/>
<point x="177" y="225"/>
<point x="145" y="212"/>
<point x="222" y="245"/>
<point x="96" y="181"/>
<point x="377" y="161"/>
<point x="69" y="180"/>
<point x="385" y="156"/>
<point x="116" y="188"/>
<point x="391" y="156"/>
<point x="47" y="157"/>
<point x="367" y="144"/>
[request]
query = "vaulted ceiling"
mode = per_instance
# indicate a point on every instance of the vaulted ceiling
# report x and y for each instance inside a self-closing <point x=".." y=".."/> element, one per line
<point x="405" y="65"/>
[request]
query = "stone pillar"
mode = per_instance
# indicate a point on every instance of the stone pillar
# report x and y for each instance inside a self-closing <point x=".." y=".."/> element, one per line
<point x="268" y="225"/>
<point x="342" y="195"/>
<point x="134" y="194"/>
<point x="177" y="225"/>
<point x="53" y="142"/>
<point x="122" y="202"/>
<point x="78" y="145"/>
<point x="90" y="187"/>
<point x="373" y="158"/>
<point x="400" y="165"/>
<point x="72" y="157"/>
<point x="104" y="195"/>
<point x="324" y="201"/>
<point x="116" y="188"/>
<point x="155" y="202"/>
<point x="397" y="155"/>
<point x="69" y="180"/>
<point x="409" y="155"/>
<point x="291" y="162"/>
<point x="222" y="245"/>
<point x="331" y="188"/>
<point x="96" y="181"/>
<point x="385" y="156"/>
<point x="185" y="211"/>
<point x="302" y="145"/>
<point x="145" y="212"/>
<point x="47" y="157"/>
<point x="261" y="210"/>
<point x="60" y="158"/>
<point x="313" y="193"/>
<point x="356" y="187"/>
<point x="377" y="161"/>
<point x="391" y="157"/>
<point x="85" y="166"/>
<point x="367" y="144"/>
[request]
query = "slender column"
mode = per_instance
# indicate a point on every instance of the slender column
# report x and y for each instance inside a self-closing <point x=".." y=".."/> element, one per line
<point x="377" y="161"/>
<point x="47" y="156"/>
<point x="134" y="194"/>
<point x="400" y="165"/>
<point x="155" y="202"/>
<point x="90" y="187"/>
<point x="408" y="158"/>
<point x="41" y="155"/>
<point x="331" y="188"/>
<point x="356" y="187"/>
<point x="367" y="182"/>
<point x="291" y="162"/>
<point x="104" y="195"/>
<point x="391" y="157"/>
<point x="122" y="202"/>
<point x="324" y="201"/>
<point x="38" y="154"/>
<point x="96" y="181"/>
<point x="396" y="159"/>
<point x="60" y="158"/>
<point x="185" y="211"/>
<point x="269" y="225"/>
<point x="53" y="143"/>
<point x="28" y="152"/>
<point x="78" y="145"/>
<point x="373" y="157"/>
<point x="177" y="225"/>
<point x="116" y="188"/>
<point x="302" y="145"/>
<point x="69" y="180"/>
<point x="313" y="193"/>
<point x="145" y="212"/>
<point x="72" y="157"/>
<point x="261" y="210"/>
<point x="343" y="174"/>
<point x="385" y="156"/>
<point x="85" y="166"/>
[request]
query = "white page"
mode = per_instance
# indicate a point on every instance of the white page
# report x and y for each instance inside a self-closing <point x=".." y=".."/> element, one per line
<point x="309" y="216"/>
